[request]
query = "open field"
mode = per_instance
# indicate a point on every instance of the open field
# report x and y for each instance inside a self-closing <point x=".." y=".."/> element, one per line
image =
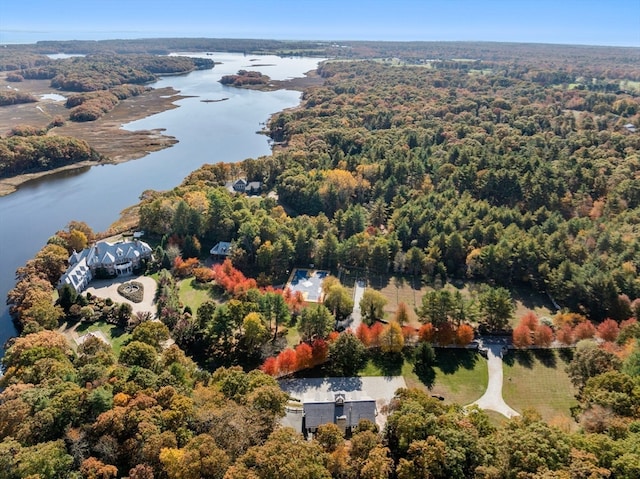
<point x="411" y="289"/>
<point x="193" y="294"/>
<point x="537" y="379"/>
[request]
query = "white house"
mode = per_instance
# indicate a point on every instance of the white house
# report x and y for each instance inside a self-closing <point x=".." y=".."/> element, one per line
<point x="117" y="259"/>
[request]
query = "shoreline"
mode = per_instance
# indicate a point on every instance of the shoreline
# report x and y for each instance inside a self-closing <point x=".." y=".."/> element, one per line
<point x="106" y="134"/>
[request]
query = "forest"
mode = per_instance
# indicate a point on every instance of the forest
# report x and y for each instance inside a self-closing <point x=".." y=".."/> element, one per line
<point x="514" y="171"/>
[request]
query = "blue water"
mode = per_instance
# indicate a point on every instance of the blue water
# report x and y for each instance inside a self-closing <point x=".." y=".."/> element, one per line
<point x="207" y="133"/>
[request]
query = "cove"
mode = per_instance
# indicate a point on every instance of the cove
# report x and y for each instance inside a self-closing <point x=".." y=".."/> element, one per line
<point x="207" y="132"/>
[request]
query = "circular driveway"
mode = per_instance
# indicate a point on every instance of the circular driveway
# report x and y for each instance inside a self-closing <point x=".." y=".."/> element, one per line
<point x="108" y="288"/>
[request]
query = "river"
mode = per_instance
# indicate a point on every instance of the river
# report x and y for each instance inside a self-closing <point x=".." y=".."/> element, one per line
<point x="207" y="132"/>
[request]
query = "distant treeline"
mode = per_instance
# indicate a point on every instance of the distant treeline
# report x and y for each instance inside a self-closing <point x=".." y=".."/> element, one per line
<point x="37" y="152"/>
<point x="591" y="61"/>
<point x="103" y="71"/>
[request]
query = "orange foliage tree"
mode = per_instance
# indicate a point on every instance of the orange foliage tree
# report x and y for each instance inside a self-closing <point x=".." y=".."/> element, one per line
<point x="565" y="334"/>
<point x="530" y="320"/>
<point x="375" y="331"/>
<point x="584" y="330"/>
<point x="184" y="267"/>
<point x="426" y="333"/>
<point x="363" y="333"/>
<point x="287" y="361"/>
<point x="608" y="330"/>
<point x="464" y="334"/>
<point x="522" y="336"/>
<point x="270" y="366"/>
<point x="232" y="280"/>
<point x="304" y="356"/>
<point x="543" y="336"/>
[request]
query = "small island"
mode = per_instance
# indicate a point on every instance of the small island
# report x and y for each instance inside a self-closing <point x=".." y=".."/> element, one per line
<point x="245" y="78"/>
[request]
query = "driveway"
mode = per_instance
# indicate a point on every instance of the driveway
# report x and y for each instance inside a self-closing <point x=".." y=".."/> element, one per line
<point x="108" y="288"/>
<point x="492" y="398"/>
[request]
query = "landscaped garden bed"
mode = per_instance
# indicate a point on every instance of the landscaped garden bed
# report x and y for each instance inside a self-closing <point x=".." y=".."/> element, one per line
<point x="132" y="290"/>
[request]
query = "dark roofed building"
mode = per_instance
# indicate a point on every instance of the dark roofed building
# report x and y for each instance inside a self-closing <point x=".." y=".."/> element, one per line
<point x="345" y="409"/>
<point x="222" y="249"/>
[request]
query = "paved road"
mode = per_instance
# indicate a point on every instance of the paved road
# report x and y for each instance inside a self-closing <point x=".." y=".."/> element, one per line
<point x="492" y="398"/>
<point x="356" y="315"/>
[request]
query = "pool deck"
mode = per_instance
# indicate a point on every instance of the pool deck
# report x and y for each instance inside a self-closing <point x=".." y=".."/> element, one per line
<point x="308" y="282"/>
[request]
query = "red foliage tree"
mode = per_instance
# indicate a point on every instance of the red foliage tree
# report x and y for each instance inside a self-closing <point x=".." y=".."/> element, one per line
<point x="464" y="334"/>
<point x="319" y="351"/>
<point x="522" y="336"/>
<point x="608" y="330"/>
<point x="287" y="361"/>
<point x="426" y="333"/>
<point x="584" y="330"/>
<point x="409" y="333"/>
<point x="445" y="334"/>
<point x="565" y="334"/>
<point x="304" y="356"/>
<point x="232" y="280"/>
<point x="270" y="366"/>
<point x="375" y="330"/>
<point x="543" y="336"/>
<point x="530" y="320"/>
<point x="363" y="333"/>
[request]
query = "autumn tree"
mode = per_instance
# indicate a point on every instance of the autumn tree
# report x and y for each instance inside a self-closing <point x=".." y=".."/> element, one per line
<point x="347" y="355"/>
<point x="464" y="334"/>
<point x="608" y="330"/>
<point x="285" y="455"/>
<point x="316" y="321"/>
<point x="402" y="314"/>
<point x="391" y="338"/>
<point x="372" y="306"/>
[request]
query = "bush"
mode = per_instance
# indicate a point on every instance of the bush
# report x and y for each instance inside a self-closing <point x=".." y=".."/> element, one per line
<point x="132" y="290"/>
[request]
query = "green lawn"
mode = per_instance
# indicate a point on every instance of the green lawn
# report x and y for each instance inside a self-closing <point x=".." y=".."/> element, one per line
<point x="461" y="376"/>
<point x="116" y="335"/>
<point x="193" y="294"/>
<point x="537" y="379"/>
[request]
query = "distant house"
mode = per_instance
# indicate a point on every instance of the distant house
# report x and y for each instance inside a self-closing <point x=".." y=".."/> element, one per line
<point x="630" y="127"/>
<point x="345" y="409"/>
<point x="116" y="259"/>
<point x="221" y="250"/>
<point x="248" y="187"/>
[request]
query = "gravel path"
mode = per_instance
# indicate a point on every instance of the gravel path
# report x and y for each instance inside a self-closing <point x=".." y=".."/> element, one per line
<point x="492" y="398"/>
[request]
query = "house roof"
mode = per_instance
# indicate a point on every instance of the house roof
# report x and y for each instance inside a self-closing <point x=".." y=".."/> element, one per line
<point x="102" y="253"/>
<point x="324" y="407"/>
<point x="223" y="248"/>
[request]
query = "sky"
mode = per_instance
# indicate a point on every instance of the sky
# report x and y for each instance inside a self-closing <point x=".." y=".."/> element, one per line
<point x="584" y="22"/>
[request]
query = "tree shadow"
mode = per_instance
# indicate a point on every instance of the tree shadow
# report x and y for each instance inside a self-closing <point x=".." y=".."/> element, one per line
<point x="450" y="360"/>
<point x="546" y="356"/>
<point x="378" y="281"/>
<point x="390" y="364"/>
<point x="426" y="374"/>
<point x="566" y="355"/>
<point x="523" y="358"/>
